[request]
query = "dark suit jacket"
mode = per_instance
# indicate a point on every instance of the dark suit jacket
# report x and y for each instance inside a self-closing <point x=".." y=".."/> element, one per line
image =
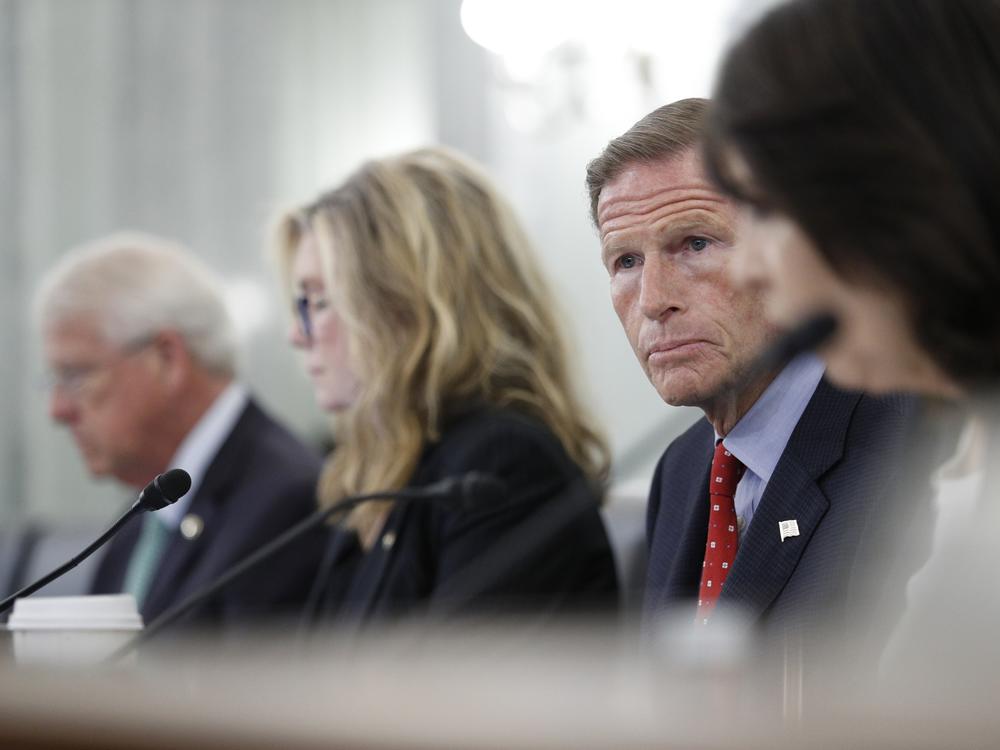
<point x="834" y="478"/>
<point x="541" y="549"/>
<point x="262" y="481"/>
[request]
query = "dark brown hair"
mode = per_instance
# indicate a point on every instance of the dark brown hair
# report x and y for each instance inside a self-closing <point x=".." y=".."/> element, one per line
<point x="664" y="132"/>
<point x="875" y="126"/>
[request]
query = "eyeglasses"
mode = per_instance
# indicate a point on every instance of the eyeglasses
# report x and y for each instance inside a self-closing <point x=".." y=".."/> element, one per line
<point x="74" y="380"/>
<point x="306" y="307"/>
<point x="70" y="381"/>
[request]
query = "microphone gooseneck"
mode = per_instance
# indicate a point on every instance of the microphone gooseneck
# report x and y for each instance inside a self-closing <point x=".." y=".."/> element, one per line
<point x="806" y="336"/>
<point x="457" y="493"/>
<point x="464" y="492"/>
<point x="162" y="491"/>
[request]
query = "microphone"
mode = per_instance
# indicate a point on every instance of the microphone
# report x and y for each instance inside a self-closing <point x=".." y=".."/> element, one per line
<point x="456" y="493"/>
<point x="463" y="492"/>
<point x="806" y="336"/>
<point x="165" y="489"/>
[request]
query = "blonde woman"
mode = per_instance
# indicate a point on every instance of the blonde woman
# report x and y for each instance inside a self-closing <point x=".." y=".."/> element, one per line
<point x="426" y="329"/>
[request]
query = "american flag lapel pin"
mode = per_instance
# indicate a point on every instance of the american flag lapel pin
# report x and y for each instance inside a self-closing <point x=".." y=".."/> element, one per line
<point x="788" y="528"/>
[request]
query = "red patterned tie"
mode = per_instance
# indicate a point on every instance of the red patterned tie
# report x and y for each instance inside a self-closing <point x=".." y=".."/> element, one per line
<point x="723" y="535"/>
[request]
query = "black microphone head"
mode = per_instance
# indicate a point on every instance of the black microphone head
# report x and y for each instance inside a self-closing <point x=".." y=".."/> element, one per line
<point x="165" y="489"/>
<point x="462" y="492"/>
<point x="477" y="488"/>
<point x="811" y="332"/>
<point x="806" y="336"/>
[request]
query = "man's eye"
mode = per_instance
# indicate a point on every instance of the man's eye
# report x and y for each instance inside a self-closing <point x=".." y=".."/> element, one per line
<point x="698" y="244"/>
<point x="627" y="261"/>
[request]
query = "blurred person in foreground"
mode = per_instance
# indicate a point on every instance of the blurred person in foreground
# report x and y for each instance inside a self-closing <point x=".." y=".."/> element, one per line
<point x="428" y="331"/>
<point x="142" y="355"/>
<point x="756" y="507"/>
<point x="861" y="138"/>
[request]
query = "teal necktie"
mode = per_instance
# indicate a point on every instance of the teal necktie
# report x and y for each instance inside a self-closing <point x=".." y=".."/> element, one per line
<point x="146" y="557"/>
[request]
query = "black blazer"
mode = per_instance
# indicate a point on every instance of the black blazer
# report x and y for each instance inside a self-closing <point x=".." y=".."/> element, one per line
<point x="835" y="477"/>
<point x="542" y="549"/>
<point x="262" y="481"/>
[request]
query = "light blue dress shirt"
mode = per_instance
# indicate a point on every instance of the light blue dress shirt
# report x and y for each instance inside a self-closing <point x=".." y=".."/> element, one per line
<point x="760" y="437"/>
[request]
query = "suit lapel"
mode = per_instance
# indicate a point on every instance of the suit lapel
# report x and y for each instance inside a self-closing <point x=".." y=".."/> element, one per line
<point x="370" y="579"/>
<point x="682" y="523"/>
<point x="369" y="582"/>
<point x="764" y="562"/>
<point x="173" y="575"/>
<point x="181" y="555"/>
<point x="689" y="535"/>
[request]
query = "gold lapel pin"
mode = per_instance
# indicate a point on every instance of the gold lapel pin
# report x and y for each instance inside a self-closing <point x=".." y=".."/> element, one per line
<point x="191" y="526"/>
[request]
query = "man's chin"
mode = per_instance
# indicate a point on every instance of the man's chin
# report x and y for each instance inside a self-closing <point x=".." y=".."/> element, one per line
<point x="97" y="468"/>
<point x="99" y="472"/>
<point x="685" y="392"/>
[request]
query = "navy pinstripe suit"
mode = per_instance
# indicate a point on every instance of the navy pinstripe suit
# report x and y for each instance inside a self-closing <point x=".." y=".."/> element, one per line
<point x="834" y="478"/>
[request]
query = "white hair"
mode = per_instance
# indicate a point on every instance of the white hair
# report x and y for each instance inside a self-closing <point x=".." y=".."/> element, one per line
<point x="136" y="285"/>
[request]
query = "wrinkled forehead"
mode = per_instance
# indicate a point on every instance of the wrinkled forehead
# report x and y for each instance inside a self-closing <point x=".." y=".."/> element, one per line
<point x="650" y="191"/>
<point x="75" y="338"/>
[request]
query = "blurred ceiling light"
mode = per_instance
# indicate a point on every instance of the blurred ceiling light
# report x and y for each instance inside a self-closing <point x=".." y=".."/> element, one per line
<point x="563" y="61"/>
<point x="518" y="28"/>
<point x="674" y="29"/>
<point x="532" y="28"/>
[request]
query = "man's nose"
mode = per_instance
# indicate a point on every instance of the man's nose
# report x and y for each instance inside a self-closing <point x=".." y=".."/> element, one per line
<point x="661" y="289"/>
<point x="62" y="408"/>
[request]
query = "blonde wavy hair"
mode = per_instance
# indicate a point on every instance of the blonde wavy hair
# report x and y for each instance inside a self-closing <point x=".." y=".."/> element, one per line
<point x="443" y="305"/>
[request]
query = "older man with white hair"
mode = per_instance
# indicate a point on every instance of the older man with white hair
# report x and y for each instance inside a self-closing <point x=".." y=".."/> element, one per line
<point x="142" y="356"/>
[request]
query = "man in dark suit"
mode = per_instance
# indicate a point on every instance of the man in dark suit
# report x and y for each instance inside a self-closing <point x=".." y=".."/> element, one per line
<point x="142" y="354"/>
<point x="763" y="504"/>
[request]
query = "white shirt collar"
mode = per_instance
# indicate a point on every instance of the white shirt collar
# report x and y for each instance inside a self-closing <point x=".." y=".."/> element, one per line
<point x="200" y="446"/>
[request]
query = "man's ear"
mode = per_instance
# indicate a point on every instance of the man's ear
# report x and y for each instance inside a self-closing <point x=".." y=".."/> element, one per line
<point x="173" y="359"/>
